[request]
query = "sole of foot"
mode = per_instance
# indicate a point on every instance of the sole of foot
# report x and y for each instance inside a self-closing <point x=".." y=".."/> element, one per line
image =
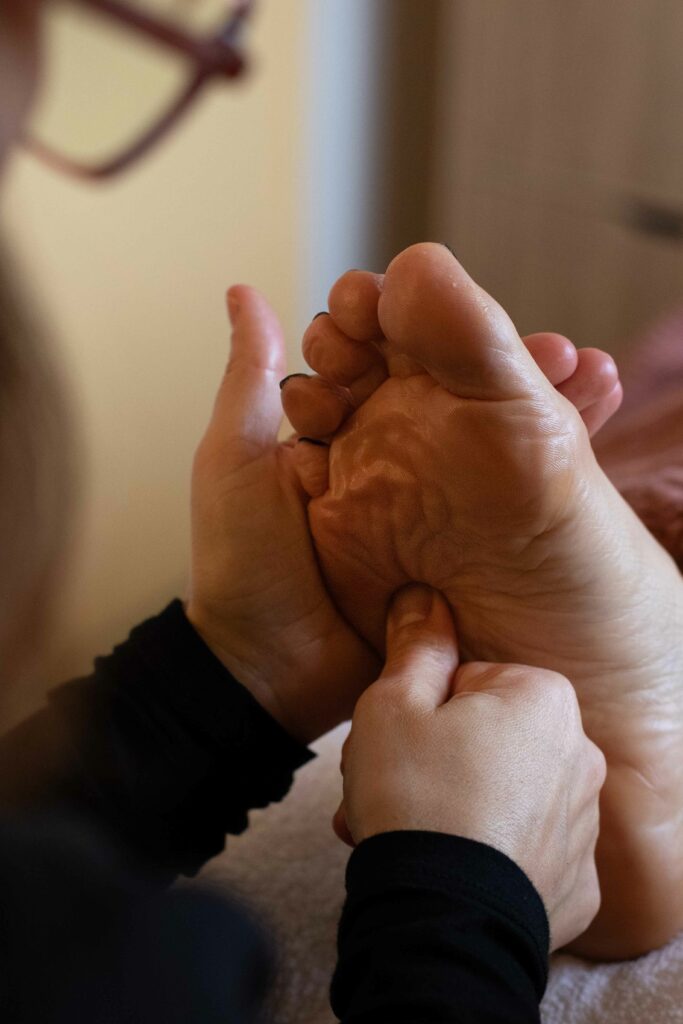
<point x="466" y="469"/>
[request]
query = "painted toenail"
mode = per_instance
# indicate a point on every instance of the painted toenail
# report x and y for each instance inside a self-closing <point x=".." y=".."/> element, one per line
<point x="322" y="313"/>
<point x="313" y="440"/>
<point x="289" y="377"/>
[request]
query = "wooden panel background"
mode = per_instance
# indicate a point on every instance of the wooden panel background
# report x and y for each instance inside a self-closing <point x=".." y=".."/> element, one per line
<point x="559" y="158"/>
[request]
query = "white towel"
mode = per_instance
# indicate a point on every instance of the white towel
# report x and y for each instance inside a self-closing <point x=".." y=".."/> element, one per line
<point x="289" y="867"/>
<point x="644" y="991"/>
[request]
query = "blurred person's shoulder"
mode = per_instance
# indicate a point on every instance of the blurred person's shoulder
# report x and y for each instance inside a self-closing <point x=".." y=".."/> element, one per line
<point x="82" y="931"/>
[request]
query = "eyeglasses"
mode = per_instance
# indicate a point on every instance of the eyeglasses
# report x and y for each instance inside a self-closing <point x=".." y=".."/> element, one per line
<point x="209" y="56"/>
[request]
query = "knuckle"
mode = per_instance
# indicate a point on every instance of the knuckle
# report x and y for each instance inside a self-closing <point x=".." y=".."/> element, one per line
<point x="559" y="687"/>
<point x="541" y="683"/>
<point x="558" y="691"/>
<point x="380" y="703"/>
<point x="598" y="765"/>
<point x="544" y="691"/>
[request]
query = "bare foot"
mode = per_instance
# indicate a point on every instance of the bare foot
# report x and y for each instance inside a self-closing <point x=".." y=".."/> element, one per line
<point x="467" y="470"/>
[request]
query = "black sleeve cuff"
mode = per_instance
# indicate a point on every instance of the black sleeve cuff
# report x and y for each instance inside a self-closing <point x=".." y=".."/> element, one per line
<point x="181" y="671"/>
<point x="435" y="928"/>
<point x="169" y="750"/>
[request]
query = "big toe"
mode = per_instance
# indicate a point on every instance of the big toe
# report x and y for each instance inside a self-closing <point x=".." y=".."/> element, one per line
<point x="433" y="312"/>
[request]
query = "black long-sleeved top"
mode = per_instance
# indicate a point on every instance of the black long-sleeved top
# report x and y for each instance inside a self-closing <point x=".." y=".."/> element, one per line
<point x="134" y="776"/>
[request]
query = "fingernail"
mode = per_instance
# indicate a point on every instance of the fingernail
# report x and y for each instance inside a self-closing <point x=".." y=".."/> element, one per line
<point x="313" y="440"/>
<point x="289" y="377"/>
<point x="322" y="313"/>
<point x="233" y="308"/>
<point x="451" y="251"/>
<point x="413" y="604"/>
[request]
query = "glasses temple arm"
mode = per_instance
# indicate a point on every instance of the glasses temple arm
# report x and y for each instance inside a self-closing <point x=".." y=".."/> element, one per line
<point x="215" y="51"/>
<point x="98" y="172"/>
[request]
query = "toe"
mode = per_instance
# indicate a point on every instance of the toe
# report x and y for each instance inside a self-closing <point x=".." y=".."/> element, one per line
<point x="433" y="312"/>
<point x="315" y="407"/>
<point x="596" y="415"/>
<point x="554" y="355"/>
<point x="353" y="304"/>
<point x="335" y="356"/>
<point x="311" y="460"/>
<point x="595" y="376"/>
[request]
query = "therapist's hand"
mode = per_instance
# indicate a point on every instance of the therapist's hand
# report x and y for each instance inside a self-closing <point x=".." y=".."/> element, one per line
<point x="495" y="753"/>
<point x="256" y="593"/>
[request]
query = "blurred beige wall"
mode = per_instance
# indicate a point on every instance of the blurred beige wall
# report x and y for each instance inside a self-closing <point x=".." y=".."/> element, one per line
<point x="269" y="182"/>
<point x="130" y="278"/>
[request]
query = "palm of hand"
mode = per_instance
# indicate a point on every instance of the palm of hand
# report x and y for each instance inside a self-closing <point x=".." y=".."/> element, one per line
<point x="257" y="595"/>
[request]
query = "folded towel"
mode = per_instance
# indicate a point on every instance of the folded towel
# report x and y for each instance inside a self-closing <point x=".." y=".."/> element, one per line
<point x="644" y="991"/>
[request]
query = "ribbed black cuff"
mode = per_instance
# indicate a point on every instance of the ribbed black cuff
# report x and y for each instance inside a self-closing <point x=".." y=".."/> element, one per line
<point x="456" y="867"/>
<point x="211" y="702"/>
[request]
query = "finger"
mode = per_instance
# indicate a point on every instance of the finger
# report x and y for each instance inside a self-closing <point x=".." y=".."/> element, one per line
<point x="595" y="376"/>
<point x="335" y="356"/>
<point x="353" y="303"/>
<point x="311" y="460"/>
<point x="314" y="406"/>
<point x="596" y="415"/>
<point x="422" y="651"/>
<point x="247" y="409"/>
<point x="361" y="389"/>
<point x="340" y="826"/>
<point x="554" y="355"/>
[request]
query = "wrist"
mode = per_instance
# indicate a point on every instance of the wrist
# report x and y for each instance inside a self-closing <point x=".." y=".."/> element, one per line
<point x="255" y="671"/>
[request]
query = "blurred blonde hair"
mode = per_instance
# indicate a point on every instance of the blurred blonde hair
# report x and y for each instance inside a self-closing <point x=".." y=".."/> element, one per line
<point x="36" y="480"/>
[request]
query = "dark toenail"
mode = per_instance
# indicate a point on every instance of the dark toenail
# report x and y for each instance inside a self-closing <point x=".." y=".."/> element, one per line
<point x="451" y="251"/>
<point x="313" y="440"/>
<point x="323" y="313"/>
<point x="289" y="377"/>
